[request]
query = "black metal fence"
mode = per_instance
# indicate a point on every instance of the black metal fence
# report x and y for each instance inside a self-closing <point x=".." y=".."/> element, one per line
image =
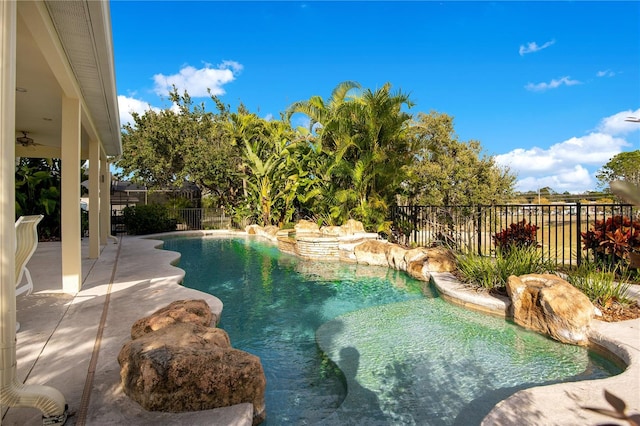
<point x="201" y="218"/>
<point x="186" y="218"/>
<point x="471" y="228"/>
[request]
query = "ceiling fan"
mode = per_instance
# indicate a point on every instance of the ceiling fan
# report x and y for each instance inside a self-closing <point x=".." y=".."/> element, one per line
<point x="25" y="140"/>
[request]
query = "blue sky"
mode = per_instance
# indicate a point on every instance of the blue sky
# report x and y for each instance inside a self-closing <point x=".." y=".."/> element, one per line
<point x="544" y="86"/>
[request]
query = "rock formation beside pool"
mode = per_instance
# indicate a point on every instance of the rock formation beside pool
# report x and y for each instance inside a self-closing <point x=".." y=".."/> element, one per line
<point x="182" y="365"/>
<point x="191" y="311"/>
<point x="550" y="305"/>
<point x="350" y="243"/>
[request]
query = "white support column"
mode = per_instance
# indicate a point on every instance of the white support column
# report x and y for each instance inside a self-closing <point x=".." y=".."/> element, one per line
<point x="105" y="200"/>
<point x="12" y="392"/>
<point x="94" y="199"/>
<point x="70" y="196"/>
<point x="7" y="191"/>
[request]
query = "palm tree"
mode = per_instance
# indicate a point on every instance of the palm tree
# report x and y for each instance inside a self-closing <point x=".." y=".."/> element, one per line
<point x="363" y="140"/>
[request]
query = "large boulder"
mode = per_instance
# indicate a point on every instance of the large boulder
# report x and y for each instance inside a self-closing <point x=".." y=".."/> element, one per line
<point x="372" y="252"/>
<point x="550" y="305"/>
<point x="190" y="367"/>
<point x="187" y="311"/>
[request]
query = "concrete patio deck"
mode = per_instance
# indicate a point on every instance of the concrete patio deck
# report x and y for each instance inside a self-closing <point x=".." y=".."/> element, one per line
<point x="63" y="342"/>
<point x="72" y="343"/>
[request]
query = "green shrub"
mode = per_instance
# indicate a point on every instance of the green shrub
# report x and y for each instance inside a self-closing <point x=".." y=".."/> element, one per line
<point x="149" y="219"/>
<point x="478" y="270"/>
<point x="492" y="273"/>
<point x="603" y="285"/>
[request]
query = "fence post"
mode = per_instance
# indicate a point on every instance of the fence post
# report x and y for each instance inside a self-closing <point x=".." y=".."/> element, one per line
<point x="414" y="217"/>
<point x="479" y="226"/>
<point x="578" y="234"/>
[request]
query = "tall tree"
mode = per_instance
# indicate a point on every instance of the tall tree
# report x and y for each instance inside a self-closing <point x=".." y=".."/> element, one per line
<point x="185" y="143"/>
<point x="624" y="166"/>
<point x="447" y="171"/>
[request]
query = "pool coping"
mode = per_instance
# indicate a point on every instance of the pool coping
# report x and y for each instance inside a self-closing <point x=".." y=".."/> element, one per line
<point x="563" y="403"/>
<point x="558" y="404"/>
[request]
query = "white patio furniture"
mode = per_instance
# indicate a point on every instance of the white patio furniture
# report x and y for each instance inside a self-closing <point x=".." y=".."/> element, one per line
<point x="26" y="243"/>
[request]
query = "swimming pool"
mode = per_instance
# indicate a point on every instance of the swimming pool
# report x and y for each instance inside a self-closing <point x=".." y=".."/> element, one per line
<point x="406" y="355"/>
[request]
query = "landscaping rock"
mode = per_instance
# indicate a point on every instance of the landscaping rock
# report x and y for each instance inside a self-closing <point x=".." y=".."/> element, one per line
<point x="419" y="270"/>
<point x="190" y="367"/>
<point x="396" y="257"/>
<point x="440" y="259"/>
<point x="270" y="232"/>
<point x="252" y="229"/>
<point x="187" y="311"/>
<point x="333" y="231"/>
<point x="373" y="252"/>
<point x="353" y="227"/>
<point x="550" y="305"/>
<point x="418" y="253"/>
<point x="307" y="227"/>
<point x="421" y="262"/>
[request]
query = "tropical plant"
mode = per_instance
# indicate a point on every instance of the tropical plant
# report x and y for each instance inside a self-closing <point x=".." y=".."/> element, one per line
<point x="361" y="149"/>
<point x="37" y="189"/>
<point x="493" y="273"/>
<point x="518" y="234"/>
<point x="603" y="285"/>
<point x="610" y="240"/>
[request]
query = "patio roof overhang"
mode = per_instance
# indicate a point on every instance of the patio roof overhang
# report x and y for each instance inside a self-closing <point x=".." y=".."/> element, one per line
<point x="64" y="48"/>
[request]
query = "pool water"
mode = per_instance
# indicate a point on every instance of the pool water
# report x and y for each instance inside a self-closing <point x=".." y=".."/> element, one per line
<point x="406" y="355"/>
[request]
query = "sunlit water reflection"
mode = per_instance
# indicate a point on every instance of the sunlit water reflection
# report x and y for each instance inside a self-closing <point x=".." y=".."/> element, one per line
<point x="408" y="356"/>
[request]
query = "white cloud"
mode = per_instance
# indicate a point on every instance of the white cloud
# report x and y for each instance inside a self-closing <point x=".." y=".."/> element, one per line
<point x="605" y="73"/>
<point x="300" y="120"/>
<point x="197" y="81"/>
<point x="553" y="84"/>
<point x="573" y="180"/>
<point x="616" y="124"/>
<point x="569" y="165"/>
<point x="532" y="47"/>
<point x="127" y="105"/>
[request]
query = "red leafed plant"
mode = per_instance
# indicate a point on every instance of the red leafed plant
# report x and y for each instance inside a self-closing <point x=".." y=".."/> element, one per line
<point x="612" y="238"/>
<point x="518" y="234"/>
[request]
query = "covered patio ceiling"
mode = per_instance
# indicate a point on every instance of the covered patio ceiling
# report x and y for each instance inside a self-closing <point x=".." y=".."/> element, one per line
<point x="64" y="48"/>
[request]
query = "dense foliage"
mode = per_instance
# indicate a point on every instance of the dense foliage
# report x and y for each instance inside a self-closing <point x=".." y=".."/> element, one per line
<point x="493" y="272"/>
<point x="148" y="219"/>
<point x="623" y="166"/>
<point x="162" y="149"/>
<point x="518" y="234"/>
<point x="446" y="171"/>
<point x="611" y="240"/>
<point x="361" y="153"/>
<point x="602" y="285"/>
<point x="38" y="192"/>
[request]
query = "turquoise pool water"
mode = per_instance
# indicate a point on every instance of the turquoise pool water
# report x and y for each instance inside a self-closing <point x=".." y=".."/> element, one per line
<point x="407" y="356"/>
